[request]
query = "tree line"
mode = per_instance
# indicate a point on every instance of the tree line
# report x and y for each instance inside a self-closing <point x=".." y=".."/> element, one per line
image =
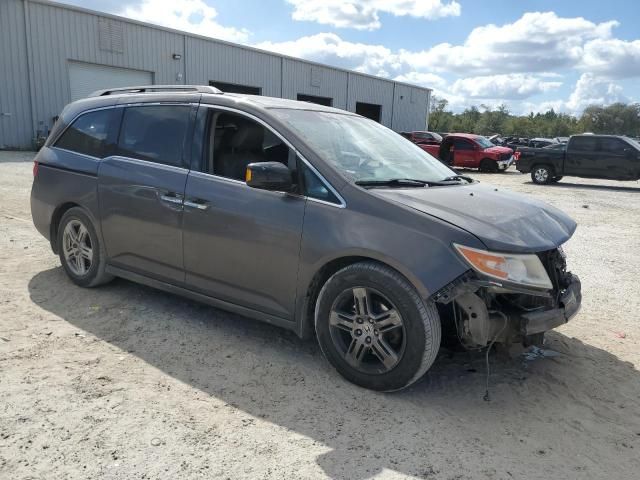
<point x="615" y="119"/>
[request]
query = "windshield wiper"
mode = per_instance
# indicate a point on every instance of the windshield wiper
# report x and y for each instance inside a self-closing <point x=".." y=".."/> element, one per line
<point x="393" y="182"/>
<point x="454" y="178"/>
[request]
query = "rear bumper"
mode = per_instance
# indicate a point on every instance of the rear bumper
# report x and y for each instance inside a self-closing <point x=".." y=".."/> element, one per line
<point x="542" y="321"/>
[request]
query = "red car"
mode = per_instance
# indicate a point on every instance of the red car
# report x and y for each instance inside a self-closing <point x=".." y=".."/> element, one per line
<point x="471" y="151"/>
<point x="422" y="137"/>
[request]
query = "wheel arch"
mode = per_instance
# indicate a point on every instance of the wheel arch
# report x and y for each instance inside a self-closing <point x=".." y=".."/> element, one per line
<point x="57" y="215"/>
<point x="308" y="294"/>
<point x="546" y="164"/>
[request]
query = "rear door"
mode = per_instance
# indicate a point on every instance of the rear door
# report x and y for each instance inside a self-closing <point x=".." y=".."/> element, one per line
<point x="241" y="244"/>
<point x="141" y="190"/>
<point x="582" y="157"/>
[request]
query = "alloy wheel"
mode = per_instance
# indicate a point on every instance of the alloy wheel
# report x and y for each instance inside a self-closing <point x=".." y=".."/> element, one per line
<point x="368" y="330"/>
<point x="77" y="247"/>
<point x="541" y="175"/>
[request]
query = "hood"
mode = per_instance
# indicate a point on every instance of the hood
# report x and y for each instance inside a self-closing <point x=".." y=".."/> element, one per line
<point x="502" y="220"/>
<point x="498" y="149"/>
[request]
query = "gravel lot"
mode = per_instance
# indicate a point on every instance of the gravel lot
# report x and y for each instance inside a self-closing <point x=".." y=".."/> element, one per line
<point x="126" y="382"/>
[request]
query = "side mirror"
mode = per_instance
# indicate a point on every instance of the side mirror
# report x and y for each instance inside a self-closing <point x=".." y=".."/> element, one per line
<point x="269" y="176"/>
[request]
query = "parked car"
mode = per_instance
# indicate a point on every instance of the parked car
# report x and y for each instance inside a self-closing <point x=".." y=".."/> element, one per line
<point x="423" y="137"/>
<point x="590" y="156"/>
<point x="557" y="146"/>
<point x="541" y="142"/>
<point x="496" y="140"/>
<point x="471" y="151"/>
<point x="304" y="216"/>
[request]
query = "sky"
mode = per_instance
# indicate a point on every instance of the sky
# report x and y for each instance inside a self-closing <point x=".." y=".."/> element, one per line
<point x="531" y="55"/>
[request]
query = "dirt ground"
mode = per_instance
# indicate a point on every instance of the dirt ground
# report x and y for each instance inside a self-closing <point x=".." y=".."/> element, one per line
<point x="125" y="382"/>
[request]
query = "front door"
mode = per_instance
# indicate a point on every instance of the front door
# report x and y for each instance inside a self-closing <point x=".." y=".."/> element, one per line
<point x="141" y="191"/>
<point x="618" y="160"/>
<point x="464" y="153"/>
<point x="241" y="245"/>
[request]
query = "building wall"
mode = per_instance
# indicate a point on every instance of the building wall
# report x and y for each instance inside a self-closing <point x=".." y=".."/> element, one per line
<point x="309" y="79"/>
<point x="59" y="35"/>
<point x="38" y="40"/>
<point x="410" y="107"/>
<point x="372" y="90"/>
<point x="15" y="107"/>
<point x="209" y="60"/>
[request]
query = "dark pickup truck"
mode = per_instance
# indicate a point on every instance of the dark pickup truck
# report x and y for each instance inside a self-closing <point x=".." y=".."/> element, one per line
<point x="590" y="156"/>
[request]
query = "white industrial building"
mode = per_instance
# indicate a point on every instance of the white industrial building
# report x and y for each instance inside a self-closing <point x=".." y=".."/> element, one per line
<point x="52" y="54"/>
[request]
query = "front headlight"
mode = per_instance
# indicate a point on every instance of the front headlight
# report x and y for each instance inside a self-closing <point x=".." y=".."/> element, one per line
<point x="524" y="269"/>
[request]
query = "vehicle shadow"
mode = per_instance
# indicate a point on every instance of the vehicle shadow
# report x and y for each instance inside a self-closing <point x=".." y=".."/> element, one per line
<point x="439" y="423"/>
<point x="586" y="186"/>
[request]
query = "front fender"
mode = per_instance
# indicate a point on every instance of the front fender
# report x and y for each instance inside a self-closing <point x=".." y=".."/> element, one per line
<point x="415" y="244"/>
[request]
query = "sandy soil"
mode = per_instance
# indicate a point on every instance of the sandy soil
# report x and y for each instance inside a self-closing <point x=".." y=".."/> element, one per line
<point x="126" y="382"/>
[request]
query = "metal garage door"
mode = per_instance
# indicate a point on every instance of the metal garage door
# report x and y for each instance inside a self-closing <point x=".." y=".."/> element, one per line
<point x="85" y="78"/>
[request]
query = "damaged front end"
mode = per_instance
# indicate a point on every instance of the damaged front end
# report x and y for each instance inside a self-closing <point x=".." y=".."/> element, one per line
<point x="485" y="308"/>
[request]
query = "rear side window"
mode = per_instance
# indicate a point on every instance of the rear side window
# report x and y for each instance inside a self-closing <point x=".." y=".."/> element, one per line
<point x="584" y="143"/>
<point x="155" y="133"/>
<point x="90" y="134"/>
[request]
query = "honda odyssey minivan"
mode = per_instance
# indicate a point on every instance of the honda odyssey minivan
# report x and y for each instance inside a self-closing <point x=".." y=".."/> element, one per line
<point x="304" y="216"/>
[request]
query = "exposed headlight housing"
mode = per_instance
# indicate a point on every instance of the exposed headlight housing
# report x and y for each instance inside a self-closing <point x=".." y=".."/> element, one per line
<point x="523" y="269"/>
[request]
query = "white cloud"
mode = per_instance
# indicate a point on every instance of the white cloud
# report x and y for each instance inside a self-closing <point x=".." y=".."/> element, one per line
<point x="330" y="48"/>
<point x="509" y="86"/>
<point x="612" y="58"/>
<point x="590" y="90"/>
<point x="430" y="80"/>
<point x="541" y="107"/>
<point x="364" y="14"/>
<point x="193" y="16"/>
<point x="537" y="42"/>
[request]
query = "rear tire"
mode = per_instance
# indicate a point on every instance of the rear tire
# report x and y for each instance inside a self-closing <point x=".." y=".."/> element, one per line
<point x="488" y="166"/>
<point x="542" y="174"/>
<point x="81" y="253"/>
<point x="375" y="329"/>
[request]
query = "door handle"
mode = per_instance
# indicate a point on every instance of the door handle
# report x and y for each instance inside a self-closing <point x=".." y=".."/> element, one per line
<point x="171" y="198"/>
<point x="196" y="203"/>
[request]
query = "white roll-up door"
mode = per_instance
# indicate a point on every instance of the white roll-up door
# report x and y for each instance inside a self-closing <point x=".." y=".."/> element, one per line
<point x="85" y="78"/>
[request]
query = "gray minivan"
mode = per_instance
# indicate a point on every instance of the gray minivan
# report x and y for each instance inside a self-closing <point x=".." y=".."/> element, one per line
<point x="304" y="216"/>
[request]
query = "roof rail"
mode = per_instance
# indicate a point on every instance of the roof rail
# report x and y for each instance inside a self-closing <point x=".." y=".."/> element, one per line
<point x="157" y="88"/>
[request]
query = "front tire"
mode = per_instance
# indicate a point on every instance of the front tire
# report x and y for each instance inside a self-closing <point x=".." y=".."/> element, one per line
<point x="375" y="329"/>
<point x="542" y="174"/>
<point x="81" y="252"/>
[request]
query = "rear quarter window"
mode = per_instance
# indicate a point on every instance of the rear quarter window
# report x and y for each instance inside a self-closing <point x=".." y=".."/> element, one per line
<point x="92" y="133"/>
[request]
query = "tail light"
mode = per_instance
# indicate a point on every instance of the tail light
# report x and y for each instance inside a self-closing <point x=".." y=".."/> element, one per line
<point x="35" y="169"/>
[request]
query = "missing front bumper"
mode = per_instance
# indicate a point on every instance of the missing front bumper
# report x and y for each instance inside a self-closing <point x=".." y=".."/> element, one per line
<point x="542" y="321"/>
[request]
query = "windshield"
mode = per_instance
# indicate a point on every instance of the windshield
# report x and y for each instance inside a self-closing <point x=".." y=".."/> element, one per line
<point x="483" y="142"/>
<point x="361" y="148"/>
<point x="633" y="142"/>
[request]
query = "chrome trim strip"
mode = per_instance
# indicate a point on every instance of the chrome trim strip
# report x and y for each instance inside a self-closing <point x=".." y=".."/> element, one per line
<point x="139" y="161"/>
